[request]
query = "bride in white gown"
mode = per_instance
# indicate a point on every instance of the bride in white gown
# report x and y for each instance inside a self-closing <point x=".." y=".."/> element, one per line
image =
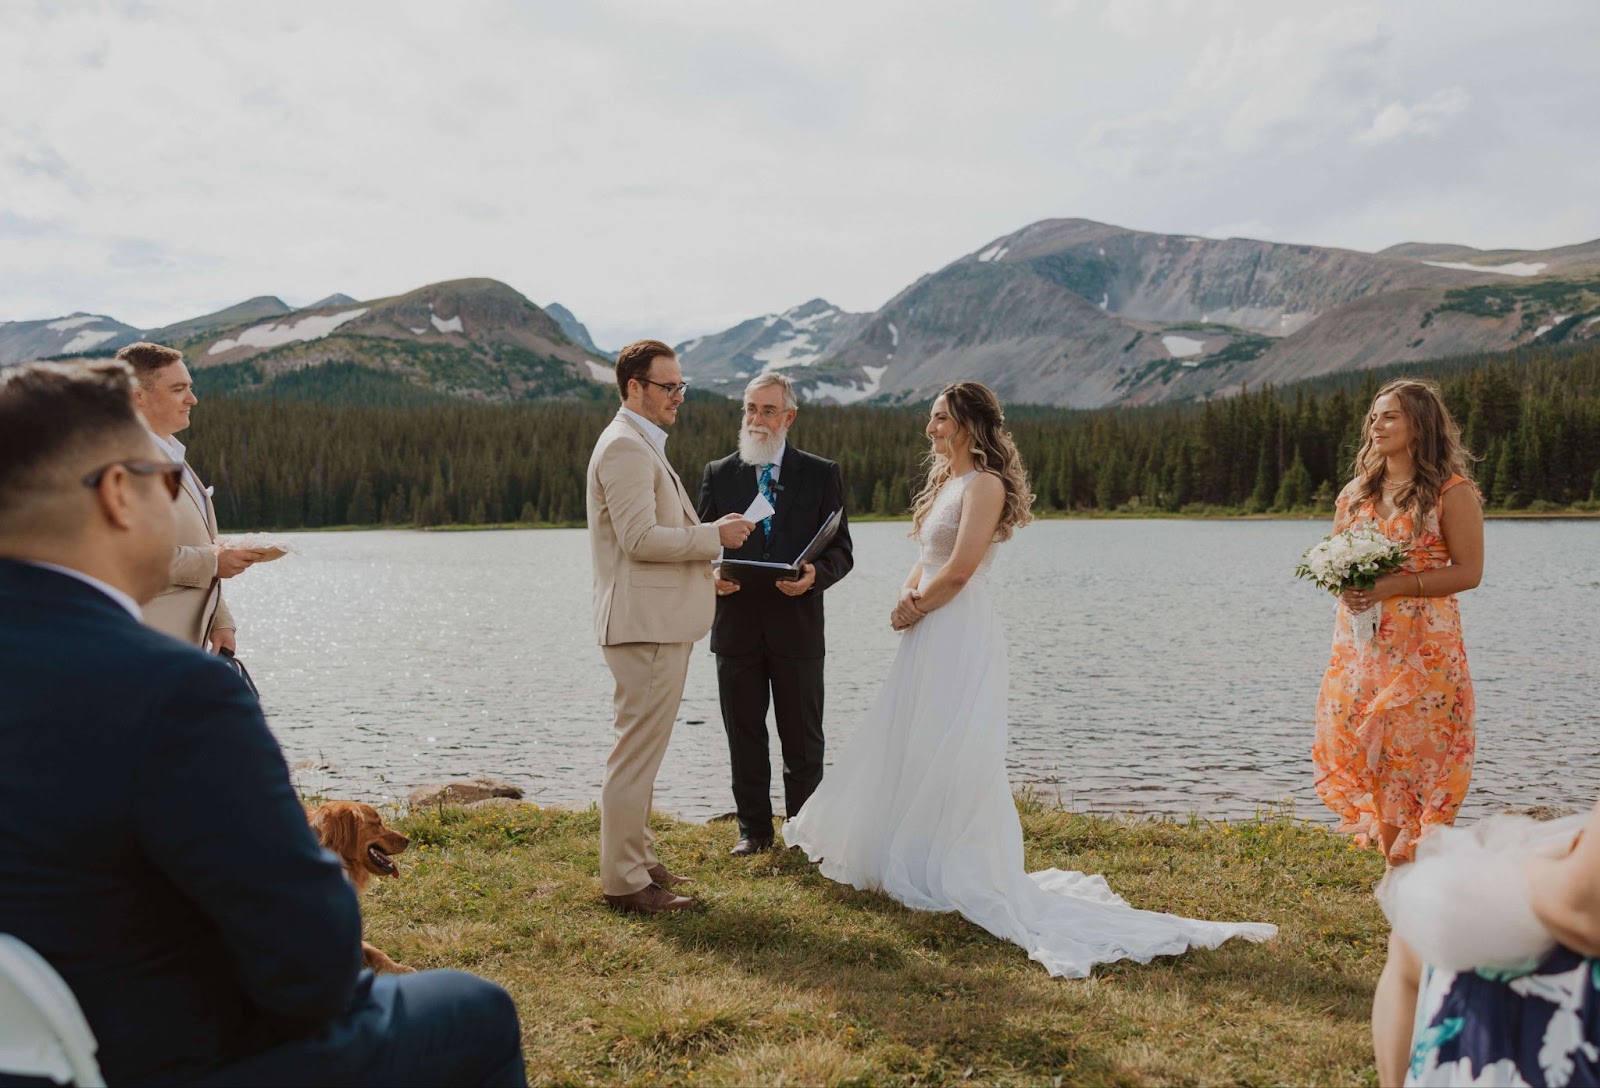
<point x="918" y="805"/>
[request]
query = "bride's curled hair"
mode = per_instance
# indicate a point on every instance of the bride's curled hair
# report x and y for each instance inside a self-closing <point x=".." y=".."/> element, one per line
<point x="976" y="410"/>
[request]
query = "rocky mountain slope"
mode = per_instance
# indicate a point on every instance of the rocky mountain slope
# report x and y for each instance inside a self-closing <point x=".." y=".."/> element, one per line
<point x="69" y="335"/>
<point x="799" y="337"/>
<point x="1065" y="311"/>
<point x="252" y="309"/>
<point x="575" y="330"/>
<point x="1085" y="314"/>
<point x="475" y="338"/>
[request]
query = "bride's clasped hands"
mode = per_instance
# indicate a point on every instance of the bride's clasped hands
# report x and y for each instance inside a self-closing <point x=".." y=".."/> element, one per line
<point x="906" y="611"/>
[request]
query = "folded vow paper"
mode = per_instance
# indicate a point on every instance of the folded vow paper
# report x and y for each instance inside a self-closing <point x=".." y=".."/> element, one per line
<point x="759" y="510"/>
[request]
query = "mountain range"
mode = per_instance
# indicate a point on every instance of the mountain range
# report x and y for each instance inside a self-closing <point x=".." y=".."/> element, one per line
<point x="475" y="338"/>
<point x="1083" y="314"/>
<point x="1065" y="311"/>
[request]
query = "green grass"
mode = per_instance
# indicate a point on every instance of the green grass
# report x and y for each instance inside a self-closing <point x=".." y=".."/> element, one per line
<point x="783" y="977"/>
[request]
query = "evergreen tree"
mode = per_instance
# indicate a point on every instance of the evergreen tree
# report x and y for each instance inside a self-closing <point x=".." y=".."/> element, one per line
<point x="1295" y="488"/>
<point x="363" y="509"/>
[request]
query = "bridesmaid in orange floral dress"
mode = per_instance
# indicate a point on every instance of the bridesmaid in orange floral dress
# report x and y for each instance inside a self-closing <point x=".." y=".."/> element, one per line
<point x="1394" y="717"/>
<point x="1394" y="740"/>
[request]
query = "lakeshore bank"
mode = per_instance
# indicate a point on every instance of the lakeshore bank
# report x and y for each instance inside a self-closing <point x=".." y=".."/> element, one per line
<point x="1130" y="515"/>
<point x="783" y="977"/>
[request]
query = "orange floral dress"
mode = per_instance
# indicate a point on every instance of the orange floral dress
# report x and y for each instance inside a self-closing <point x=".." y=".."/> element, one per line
<point x="1394" y="737"/>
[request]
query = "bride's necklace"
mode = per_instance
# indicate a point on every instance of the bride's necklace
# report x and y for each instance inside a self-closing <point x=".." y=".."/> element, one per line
<point x="1395" y="485"/>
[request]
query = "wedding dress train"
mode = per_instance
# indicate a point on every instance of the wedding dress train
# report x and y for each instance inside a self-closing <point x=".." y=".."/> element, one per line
<point x="918" y="805"/>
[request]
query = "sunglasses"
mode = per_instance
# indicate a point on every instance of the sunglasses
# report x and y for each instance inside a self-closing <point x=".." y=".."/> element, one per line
<point x="171" y="474"/>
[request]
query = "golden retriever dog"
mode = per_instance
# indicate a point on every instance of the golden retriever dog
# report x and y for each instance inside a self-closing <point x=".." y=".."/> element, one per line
<point x="355" y="833"/>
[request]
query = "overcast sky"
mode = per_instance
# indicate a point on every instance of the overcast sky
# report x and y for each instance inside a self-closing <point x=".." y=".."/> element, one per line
<point x="671" y="167"/>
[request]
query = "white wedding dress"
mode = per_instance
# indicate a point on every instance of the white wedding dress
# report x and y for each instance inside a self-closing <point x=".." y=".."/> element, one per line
<point x="918" y="805"/>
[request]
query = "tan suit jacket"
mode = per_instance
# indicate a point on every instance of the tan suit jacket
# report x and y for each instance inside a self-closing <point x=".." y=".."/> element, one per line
<point x="652" y="572"/>
<point x="189" y="607"/>
<point x="654" y="597"/>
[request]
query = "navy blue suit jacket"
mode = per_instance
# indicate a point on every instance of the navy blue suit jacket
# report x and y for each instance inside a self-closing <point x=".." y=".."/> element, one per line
<point x="152" y="848"/>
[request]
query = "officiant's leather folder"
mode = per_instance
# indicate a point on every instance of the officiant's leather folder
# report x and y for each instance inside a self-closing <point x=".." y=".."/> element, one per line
<point x="786" y="572"/>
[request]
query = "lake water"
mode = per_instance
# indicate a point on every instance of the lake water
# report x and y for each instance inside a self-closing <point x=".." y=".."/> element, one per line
<point x="1156" y="666"/>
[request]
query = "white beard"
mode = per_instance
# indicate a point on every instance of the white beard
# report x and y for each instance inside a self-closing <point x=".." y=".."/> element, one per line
<point x="759" y="446"/>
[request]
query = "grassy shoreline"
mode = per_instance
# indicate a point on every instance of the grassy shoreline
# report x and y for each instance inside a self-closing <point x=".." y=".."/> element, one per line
<point x="1115" y="515"/>
<point x="782" y="976"/>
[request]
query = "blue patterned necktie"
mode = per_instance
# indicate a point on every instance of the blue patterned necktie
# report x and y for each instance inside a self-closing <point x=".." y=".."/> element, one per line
<point x="765" y="486"/>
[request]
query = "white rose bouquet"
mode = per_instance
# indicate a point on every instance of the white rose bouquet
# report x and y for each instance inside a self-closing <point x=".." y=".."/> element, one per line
<point x="1353" y="559"/>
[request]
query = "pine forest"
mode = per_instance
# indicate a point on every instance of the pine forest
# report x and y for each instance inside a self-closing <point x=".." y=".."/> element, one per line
<point x="362" y="448"/>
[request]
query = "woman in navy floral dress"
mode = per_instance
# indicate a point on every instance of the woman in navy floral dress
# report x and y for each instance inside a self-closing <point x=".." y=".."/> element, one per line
<point x="1499" y="1028"/>
<point x="1536" y="1025"/>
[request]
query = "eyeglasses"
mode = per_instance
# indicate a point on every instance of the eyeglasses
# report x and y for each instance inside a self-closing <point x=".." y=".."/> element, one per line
<point x="171" y="474"/>
<point x="765" y="411"/>
<point x="679" y="388"/>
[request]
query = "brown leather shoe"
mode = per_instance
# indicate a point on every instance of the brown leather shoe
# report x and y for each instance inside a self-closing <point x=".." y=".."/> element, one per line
<point x="662" y="876"/>
<point x="650" y="899"/>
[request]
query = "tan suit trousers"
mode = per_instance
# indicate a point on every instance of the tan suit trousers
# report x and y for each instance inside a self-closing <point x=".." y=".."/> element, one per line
<point x="650" y="678"/>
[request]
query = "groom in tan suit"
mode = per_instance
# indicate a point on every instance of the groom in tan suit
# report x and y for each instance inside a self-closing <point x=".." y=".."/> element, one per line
<point x="191" y="608"/>
<point x="653" y="599"/>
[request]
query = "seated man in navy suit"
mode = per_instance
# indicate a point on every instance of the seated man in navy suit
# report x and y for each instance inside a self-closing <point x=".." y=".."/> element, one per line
<point x="152" y="848"/>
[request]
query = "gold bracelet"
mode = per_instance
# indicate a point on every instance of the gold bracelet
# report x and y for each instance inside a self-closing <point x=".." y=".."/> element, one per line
<point x="1418" y="576"/>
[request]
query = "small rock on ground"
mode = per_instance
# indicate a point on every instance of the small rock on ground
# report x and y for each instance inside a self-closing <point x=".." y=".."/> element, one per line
<point x="462" y="792"/>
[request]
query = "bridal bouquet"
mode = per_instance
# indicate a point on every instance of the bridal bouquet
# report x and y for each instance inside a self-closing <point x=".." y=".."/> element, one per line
<point x="1353" y="559"/>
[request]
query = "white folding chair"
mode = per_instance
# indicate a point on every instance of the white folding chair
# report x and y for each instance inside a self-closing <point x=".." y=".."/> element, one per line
<point x="42" y="1029"/>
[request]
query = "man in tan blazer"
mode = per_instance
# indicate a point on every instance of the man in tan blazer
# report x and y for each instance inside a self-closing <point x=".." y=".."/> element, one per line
<point x="653" y="599"/>
<point x="191" y="608"/>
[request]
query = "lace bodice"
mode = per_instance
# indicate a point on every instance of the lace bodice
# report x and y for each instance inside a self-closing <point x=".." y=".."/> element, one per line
<point x="937" y="536"/>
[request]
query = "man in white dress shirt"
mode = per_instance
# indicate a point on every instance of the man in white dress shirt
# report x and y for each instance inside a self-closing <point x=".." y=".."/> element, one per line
<point x="192" y="607"/>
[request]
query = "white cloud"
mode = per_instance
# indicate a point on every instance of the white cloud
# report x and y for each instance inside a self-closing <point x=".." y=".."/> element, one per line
<point x="670" y="169"/>
<point x="1426" y="118"/>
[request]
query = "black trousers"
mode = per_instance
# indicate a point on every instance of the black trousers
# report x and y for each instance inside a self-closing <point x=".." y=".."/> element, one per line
<point x="748" y="684"/>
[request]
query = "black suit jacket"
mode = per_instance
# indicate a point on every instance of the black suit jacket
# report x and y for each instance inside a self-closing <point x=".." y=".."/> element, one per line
<point x="152" y="848"/>
<point x="758" y="617"/>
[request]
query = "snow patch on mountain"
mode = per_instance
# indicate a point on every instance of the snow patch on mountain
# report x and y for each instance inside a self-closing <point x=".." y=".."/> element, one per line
<point x="273" y="334"/>
<point x="793" y="349"/>
<point x="446" y="324"/>
<point x="799" y="319"/>
<point x="86" y="340"/>
<point x="1180" y="347"/>
<point x="1515" y="268"/>
<point x="849" y="394"/>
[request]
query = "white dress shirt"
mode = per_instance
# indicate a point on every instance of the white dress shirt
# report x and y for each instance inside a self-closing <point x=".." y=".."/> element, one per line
<point x="777" y="462"/>
<point x="180" y="455"/>
<point x="653" y="432"/>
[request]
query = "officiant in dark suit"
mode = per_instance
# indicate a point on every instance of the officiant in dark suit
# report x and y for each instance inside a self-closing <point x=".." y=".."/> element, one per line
<point x="768" y="634"/>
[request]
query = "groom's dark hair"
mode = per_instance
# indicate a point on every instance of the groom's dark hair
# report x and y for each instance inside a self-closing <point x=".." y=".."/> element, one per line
<point x="633" y="362"/>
